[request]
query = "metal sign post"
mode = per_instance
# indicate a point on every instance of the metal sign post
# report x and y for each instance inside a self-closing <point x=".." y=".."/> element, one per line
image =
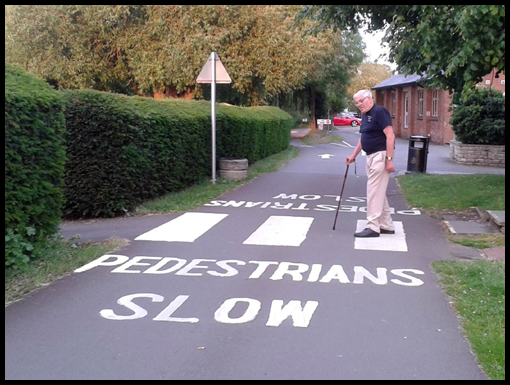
<point x="213" y="73"/>
<point x="213" y="115"/>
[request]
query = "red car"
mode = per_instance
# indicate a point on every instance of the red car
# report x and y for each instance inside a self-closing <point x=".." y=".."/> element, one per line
<point x="346" y="120"/>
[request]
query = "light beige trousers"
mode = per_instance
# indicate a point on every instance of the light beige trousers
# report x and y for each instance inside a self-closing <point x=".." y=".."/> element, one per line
<point x="378" y="209"/>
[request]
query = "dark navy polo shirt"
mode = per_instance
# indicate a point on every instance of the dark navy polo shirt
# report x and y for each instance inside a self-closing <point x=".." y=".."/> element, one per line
<point x="372" y="128"/>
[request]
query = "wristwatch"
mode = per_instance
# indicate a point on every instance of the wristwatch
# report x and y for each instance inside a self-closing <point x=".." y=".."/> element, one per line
<point x="389" y="157"/>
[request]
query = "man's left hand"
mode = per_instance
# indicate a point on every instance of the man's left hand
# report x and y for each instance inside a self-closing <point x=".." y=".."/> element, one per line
<point x="389" y="166"/>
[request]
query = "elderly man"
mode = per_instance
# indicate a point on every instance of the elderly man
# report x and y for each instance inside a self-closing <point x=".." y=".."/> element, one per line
<point x="378" y="141"/>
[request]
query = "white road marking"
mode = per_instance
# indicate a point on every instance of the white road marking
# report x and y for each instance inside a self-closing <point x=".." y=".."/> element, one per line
<point x="186" y="228"/>
<point x="385" y="242"/>
<point x="339" y="144"/>
<point x="281" y="231"/>
<point x="343" y="144"/>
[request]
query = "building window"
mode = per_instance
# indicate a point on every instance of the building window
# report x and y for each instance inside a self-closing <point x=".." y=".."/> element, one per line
<point x="488" y="82"/>
<point x="435" y="103"/>
<point x="406" y="109"/>
<point x="420" y="104"/>
<point x="393" y="103"/>
<point x="502" y="82"/>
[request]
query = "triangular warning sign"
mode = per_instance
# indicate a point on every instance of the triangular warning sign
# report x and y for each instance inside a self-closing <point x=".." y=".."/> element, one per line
<point x="205" y="75"/>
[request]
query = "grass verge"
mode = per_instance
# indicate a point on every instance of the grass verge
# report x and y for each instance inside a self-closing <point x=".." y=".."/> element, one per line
<point x="454" y="192"/>
<point x="461" y="193"/>
<point x="321" y="137"/>
<point x="477" y="290"/>
<point x="61" y="258"/>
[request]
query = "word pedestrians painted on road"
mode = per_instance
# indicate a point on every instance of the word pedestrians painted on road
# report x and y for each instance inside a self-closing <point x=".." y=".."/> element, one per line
<point x="186" y="228"/>
<point x="281" y="231"/>
<point x="273" y="270"/>
<point x="389" y="242"/>
<point x="306" y="205"/>
<point x="301" y="315"/>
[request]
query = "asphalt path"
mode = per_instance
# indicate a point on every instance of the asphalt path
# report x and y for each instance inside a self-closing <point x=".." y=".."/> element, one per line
<point x="261" y="288"/>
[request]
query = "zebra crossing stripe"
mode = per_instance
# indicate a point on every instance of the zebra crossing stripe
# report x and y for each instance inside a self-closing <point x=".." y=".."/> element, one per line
<point x="275" y="231"/>
<point x="186" y="228"/>
<point x="281" y="231"/>
<point x="385" y="242"/>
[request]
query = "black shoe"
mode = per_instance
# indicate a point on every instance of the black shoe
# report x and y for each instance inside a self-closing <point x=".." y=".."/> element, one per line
<point x="387" y="231"/>
<point x="367" y="233"/>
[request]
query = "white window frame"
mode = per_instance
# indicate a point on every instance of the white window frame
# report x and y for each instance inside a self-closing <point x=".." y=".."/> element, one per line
<point x="393" y="103"/>
<point x="406" y="109"/>
<point x="421" y="104"/>
<point x="435" y="103"/>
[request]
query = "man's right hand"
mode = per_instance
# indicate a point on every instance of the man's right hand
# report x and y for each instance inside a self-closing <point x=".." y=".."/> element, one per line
<point x="350" y="159"/>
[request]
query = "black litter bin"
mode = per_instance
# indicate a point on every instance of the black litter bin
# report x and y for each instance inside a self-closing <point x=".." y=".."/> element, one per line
<point x="418" y="151"/>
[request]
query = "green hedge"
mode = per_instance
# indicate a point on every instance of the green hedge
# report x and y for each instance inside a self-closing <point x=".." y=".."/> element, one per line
<point x="123" y="150"/>
<point x="480" y="119"/>
<point x="34" y="163"/>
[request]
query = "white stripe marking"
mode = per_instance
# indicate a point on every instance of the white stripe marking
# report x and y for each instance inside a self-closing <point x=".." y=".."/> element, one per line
<point x="281" y="231"/>
<point x="339" y="144"/>
<point x="385" y="242"/>
<point x="186" y="228"/>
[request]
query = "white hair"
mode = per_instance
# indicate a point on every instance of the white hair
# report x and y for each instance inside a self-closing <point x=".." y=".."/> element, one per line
<point x="364" y="93"/>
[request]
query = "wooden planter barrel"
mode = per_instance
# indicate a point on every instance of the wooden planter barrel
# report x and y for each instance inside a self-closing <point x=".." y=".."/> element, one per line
<point x="233" y="168"/>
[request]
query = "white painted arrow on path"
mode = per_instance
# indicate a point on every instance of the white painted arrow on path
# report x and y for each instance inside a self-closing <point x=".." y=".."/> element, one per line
<point x="326" y="156"/>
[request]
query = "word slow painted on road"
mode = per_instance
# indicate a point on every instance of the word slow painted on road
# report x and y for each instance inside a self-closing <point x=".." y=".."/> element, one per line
<point x="272" y="270"/>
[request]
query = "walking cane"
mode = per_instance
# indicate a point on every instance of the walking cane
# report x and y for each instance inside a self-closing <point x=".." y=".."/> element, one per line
<point x="341" y="193"/>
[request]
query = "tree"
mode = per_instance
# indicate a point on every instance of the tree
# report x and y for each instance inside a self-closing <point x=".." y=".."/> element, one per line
<point x="367" y="76"/>
<point x="74" y="46"/>
<point x="453" y="45"/>
<point x="328" y="81"/>
<point x="254" y="42"/>
<point x="160" y="49"/>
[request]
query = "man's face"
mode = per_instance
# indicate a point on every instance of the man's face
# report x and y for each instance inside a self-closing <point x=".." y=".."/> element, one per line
<point x="364" y="103"/>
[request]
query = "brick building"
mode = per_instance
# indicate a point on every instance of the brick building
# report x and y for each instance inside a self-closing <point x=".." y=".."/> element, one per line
<point x="497" y="83"/>
<point x="416" y="110"/>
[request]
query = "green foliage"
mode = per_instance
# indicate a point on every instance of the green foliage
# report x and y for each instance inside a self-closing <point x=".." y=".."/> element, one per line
<point x="34" y="163"/>
<point x="453" y="45"/>
<point x="480" y="119"/>
<point x="18" y="248"/>
<point x="125" y="150"/>
<point x="147" y="49"/>
<point x="73" y="46"/>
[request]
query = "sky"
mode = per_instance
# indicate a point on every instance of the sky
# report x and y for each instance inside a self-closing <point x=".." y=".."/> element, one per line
<point x="375" y="47"/>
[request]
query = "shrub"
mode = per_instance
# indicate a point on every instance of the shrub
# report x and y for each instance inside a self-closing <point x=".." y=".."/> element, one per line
<point x="480" y="119"/>
<point x="34" y="164"/>
<point x="123" y="150"/>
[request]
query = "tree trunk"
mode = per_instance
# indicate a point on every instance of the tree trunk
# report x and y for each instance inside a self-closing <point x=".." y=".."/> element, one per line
<point x="313" y="123"/>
